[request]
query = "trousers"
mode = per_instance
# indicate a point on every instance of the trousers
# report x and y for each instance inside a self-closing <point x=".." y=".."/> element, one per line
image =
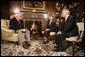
<point x="23" y="38"/>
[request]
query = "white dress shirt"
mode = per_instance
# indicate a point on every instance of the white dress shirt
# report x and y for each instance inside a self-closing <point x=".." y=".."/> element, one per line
<point x="50" y="22"/>
<point x="66" y="17"/>
<point x="10" y="17"/>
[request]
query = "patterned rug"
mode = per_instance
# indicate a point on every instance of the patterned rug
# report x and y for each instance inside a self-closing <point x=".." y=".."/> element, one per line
<point x="8" y="49"/>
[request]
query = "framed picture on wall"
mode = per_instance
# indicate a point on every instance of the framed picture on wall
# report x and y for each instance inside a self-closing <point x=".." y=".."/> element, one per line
<point x="34" y="5"/>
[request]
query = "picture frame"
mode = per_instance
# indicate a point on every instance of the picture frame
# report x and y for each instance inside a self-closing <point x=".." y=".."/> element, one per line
<point x="34" y="5"/>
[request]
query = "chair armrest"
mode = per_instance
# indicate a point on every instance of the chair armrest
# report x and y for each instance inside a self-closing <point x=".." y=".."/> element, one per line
<point x="7" y="31"/>
<point x="79" y="35"/>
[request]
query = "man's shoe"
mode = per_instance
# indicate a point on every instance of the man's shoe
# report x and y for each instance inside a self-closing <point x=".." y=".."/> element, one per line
<point x="28" y="43"/>
<point x="56" y="47"/>
<point x="17" y="43"/>
<point x="55" y="50"/>
<point x="25" y="46"/>
<point x="45" y="42"/>
<point x="58" y="50"/>
<point x="54" y="42"/>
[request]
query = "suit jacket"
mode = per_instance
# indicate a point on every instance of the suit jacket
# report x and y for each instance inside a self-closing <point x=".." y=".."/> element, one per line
<point x="14" y="24"/>
<point x="69" y="27"/>
<point x="51" y="26"/>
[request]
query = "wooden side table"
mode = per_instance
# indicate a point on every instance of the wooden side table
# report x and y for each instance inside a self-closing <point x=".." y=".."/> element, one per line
<point x="52" y="35"/>
<point x="34" y="34"/>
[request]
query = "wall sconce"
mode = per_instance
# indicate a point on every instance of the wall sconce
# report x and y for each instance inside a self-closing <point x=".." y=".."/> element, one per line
<point x="16" y="10"/>
<point x="45" y="16"/>
<point x="57" y="4"/>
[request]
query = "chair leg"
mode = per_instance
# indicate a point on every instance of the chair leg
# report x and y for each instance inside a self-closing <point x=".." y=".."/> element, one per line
<point x="36" y="36"/>
<point x="14" y="44"/>
<point x="73" y="45"/>
<point x="33" y="36"/>
<point x="53" y="37"/>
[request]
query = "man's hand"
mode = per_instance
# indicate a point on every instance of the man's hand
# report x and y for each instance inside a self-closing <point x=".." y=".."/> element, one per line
<point x="24" y="30"/>
<point x="59" y="32"/>
<point x="47" y="29"/>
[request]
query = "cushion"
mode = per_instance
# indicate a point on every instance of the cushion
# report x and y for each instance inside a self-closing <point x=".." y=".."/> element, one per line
<point x="80" y="26"/>
<point x="73" y="39"/>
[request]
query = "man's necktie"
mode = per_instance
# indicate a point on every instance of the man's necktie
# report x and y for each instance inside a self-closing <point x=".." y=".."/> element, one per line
<point x="20" y="24"/>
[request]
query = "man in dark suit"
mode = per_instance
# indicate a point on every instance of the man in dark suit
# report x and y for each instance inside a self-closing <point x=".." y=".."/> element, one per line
<point x="68" y="28"/>
<point x="17" y="25"/>
<point x="50" y="27"/>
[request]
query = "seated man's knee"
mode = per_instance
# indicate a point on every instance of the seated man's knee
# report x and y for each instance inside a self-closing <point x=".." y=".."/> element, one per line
<point x="19" y="31"/>
<point x="28" y="31"/>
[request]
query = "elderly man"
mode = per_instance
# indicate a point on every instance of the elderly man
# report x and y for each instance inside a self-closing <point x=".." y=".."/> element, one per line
<point x="12" y="16"/>
<point x="68" y="28"/>
<point x="17" y="25"/>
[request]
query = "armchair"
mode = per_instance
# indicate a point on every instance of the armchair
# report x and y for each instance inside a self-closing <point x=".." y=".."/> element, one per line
<point x="78" y="38"/>
<point x="6" y="33"/>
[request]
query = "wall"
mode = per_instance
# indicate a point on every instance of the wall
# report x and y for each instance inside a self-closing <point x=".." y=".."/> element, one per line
<point x="50" y="7"/>
<point x="5" y="9"/>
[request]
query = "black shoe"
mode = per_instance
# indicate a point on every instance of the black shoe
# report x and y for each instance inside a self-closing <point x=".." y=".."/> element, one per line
<point x="45" y="42"/>
<point x="17" y="43"/>
<point x="25" y="46"/>
<point x="54" y="42"/>
<point x="56" y="47"/>
<point x="28" y="43"/>
<point x="55" y="50"/>
<point x="58" y="50"/>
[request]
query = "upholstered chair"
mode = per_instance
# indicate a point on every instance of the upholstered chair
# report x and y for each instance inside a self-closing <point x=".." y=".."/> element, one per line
<point x="77" y="39"/>
<point x="6" y="33"/>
